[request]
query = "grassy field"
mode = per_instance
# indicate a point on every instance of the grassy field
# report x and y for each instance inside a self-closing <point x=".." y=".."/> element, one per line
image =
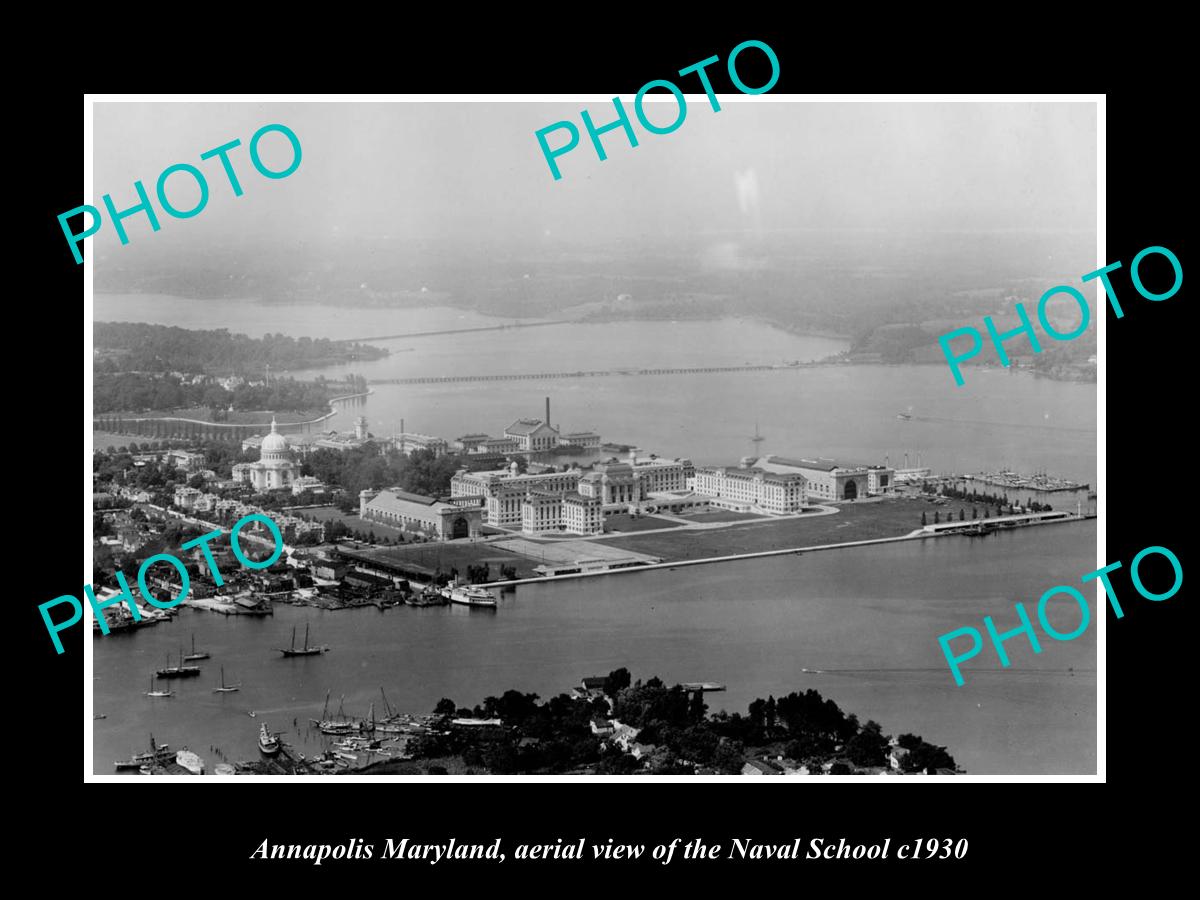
<point x="721" y="515"/>
<point x="626" y="524"/>
<point x="854" y="522"/>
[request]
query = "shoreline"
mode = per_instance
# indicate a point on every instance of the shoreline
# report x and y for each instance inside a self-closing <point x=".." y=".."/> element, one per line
<point x="916" y="535"/>
<point x="332" y="412"/>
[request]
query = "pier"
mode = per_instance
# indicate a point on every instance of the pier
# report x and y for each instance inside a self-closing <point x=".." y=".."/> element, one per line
<point x="702" y="687"/>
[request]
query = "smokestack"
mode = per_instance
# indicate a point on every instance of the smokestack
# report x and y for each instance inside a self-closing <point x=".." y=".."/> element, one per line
<point x="547" y="410"/>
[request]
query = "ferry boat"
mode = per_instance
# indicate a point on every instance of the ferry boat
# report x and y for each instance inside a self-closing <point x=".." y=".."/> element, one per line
<point x="469" y="595"/>
<point x="268" y="744"/>
<point x="159" y="754"/>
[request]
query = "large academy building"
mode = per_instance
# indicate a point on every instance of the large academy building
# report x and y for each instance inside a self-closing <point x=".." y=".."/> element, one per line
<point x="752" y="489"/>
<point x="576" y="500"/>
<point x="829" y="480"/>
<point x="445" y="520"/>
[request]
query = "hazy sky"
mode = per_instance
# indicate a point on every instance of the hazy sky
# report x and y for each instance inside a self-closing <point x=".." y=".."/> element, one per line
<point x="474" y="171"/>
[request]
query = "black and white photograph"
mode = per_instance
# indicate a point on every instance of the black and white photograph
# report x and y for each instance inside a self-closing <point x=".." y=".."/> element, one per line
<point x="473" y="438"/>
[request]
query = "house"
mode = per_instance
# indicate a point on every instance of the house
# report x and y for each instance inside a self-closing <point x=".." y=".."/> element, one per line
<point x="602" y="727"/>
<point x="756" y="767"/>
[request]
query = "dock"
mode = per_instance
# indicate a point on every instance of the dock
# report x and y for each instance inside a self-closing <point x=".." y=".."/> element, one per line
<point x="702" y="687"/>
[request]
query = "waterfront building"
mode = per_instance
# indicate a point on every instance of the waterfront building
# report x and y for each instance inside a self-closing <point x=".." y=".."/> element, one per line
<point x="588" y="440"/>
<point x="532" y="435"/>
<point x="409" y="441"/>
<point x="275" y="469"/>
<point x="446" y="520"/>
<point x="830" y="480"/>
<point x="752" y="489"/>
<point x="527" y="435"/>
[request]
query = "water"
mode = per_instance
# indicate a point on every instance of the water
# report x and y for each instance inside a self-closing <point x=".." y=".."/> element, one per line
<point x="872" y="613"/>
<point x="998" y="419"/>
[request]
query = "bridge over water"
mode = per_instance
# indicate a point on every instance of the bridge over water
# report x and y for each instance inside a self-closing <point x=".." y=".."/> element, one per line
<point x="599" y="373"/>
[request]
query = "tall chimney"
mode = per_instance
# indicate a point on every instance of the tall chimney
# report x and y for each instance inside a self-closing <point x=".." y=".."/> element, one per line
<point x="547" y="410"/>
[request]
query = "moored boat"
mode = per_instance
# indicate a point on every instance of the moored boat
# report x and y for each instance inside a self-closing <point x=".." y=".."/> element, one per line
<point x="470" y="595"/>
<point x="190" y="761"/>
<point x="153" y="693"/>
<point x="201" y="654"/>
<point x="179" y="671"/>
<point x="300" y="651"/>
<point x="159" y="753"/>
<point x="225" y="688"/>
<point x="268" y="743"/>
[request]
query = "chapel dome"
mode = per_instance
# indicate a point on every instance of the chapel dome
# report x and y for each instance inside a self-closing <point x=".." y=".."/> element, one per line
<point x="274" y="442"/>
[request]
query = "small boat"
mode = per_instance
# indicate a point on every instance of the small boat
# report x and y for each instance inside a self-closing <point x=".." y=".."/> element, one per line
<point x="153" y="693"/>
<point x="179" y="671"/>
<point x="268" y="744"/>
<point x="469" y="595"/>
<point x="905" y="415"/>
<point x="301" y="651"/>
<point x="194" y="654"/>
<point x="224" y="688"/>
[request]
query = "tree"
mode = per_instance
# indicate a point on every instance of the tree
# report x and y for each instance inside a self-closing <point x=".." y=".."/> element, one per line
<point x="924" y="519"/>
<point x="869" y="747"/>
<point x="961" y="514"/>
<point x="937" y="517"/>
<point x="617" y="681"/>
<point x="445" y="707"/>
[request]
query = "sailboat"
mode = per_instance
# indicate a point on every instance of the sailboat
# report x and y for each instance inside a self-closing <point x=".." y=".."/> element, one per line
<point x="225" y="689"/>
<point x="179" y="671"/>
<point x="153" y="693"/>
<point x="194" y="654"/>
<point x="340" y="725"/>
<point x="303" y="651"/>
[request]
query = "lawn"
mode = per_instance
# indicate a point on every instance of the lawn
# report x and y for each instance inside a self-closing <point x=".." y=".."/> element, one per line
<point x="627" y="524"/>
<point x="853" y="522"/>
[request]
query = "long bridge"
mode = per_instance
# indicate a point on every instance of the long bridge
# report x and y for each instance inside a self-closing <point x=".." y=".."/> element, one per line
<point x="599" y="373"/>
<point x="420" y="334"/>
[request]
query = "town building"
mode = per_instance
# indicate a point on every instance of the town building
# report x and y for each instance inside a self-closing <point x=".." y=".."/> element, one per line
<point x="309" y="483"/>
<point x="189" y="460"/>
<point x="830" y="480"/>
<point x="751" y="489"/>
<point x="446" y="520"/>
<point x="275" y="469"/>
<point x="408" y="442"/>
